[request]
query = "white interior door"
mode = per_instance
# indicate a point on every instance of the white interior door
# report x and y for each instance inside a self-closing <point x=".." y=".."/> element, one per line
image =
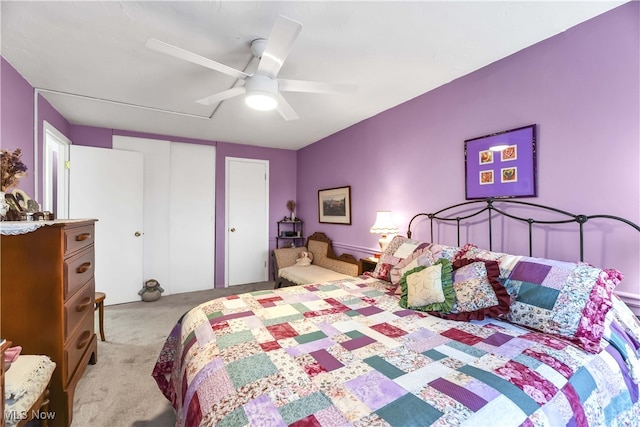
<point x="107" y="185"/>
<point x="192" y="217"/>
<point x="247" y="220"/>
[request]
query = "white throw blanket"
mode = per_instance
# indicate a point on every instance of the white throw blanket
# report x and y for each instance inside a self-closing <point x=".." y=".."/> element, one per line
<point x="310" y="274"/>
<point x="25" y="381"/>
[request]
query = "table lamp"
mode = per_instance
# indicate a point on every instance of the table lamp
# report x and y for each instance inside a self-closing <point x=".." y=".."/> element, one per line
<point x="384" y="225"/>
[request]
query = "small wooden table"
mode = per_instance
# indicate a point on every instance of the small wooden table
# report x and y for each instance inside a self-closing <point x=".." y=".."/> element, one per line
<point x="99" y="301"/>
<point x="368" y="264"/>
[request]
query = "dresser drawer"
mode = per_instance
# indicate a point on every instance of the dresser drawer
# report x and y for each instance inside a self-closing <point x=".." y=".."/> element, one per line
<point x="77" y="307"/>
<point x="76" y="238"/>
<point x="76" y="346"/>
<point x="78" y="270"/>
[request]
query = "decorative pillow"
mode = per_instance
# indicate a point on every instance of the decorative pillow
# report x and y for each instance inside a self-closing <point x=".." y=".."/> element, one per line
<point x="418" y="258"/>
<point x="428" y="288"/>
<point x="304" y="259"/>
<point x="478" y="291"/>
<point x="451" y="253"/>
<point x="398" y="249"/>
<point x="562" y="298"/>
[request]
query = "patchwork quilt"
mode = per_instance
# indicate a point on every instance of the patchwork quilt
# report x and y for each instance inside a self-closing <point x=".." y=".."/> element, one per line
<point x="344" y="353"/>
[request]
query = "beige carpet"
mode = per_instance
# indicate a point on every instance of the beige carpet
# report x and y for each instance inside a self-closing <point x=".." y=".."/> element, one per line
<point x="119" y="391"/>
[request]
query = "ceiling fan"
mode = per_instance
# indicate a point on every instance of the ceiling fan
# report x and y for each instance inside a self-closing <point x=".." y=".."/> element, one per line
<point x="262" y="88"/>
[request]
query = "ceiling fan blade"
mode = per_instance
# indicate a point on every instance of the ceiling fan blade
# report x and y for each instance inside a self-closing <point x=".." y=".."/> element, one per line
<point x="287" y="85"/>
<point x="221" y="96"/>
<point x="178" y="52"/>
<point x="283" y="35"/>
<point x="285" y="109"/>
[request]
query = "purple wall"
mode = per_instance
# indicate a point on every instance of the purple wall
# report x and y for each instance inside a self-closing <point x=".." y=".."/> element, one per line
<point x="17" y="120"/>
<point x="17" y="108"/>
<point x="581" y="88"/>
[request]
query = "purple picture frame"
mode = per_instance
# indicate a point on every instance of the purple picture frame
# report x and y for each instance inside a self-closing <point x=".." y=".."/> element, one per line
<point x="501" y="164"/>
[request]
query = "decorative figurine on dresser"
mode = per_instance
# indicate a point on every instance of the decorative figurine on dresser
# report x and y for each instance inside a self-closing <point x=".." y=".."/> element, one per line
<point x="47" y="272"/>
<point x="16" y="205"/>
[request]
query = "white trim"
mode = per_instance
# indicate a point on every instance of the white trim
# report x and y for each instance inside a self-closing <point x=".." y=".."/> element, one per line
<point x="48" y="130"/>
<point x="36" y="146"/>
<point x="126" y="104"/>
<point x="355" y="248"/>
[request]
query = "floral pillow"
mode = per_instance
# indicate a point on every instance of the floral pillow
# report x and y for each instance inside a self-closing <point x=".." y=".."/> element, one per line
<point x="562" y="298"/>
<point x="428" y="288"/>
<point x="505" y="261"/>
<point x="478" y="292"/>
<point x="398" y="249"/>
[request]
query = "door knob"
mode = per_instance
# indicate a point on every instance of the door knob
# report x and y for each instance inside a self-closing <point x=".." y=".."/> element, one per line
<point x="233" y="229"/>
<point x="137" y="234"/>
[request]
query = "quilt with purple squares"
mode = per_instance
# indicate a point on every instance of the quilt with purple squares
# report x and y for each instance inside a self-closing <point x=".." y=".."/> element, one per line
<point x="344" y="353"/>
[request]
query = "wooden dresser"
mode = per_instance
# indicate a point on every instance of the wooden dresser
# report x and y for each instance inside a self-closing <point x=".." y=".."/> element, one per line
<point x="47" y="292"/>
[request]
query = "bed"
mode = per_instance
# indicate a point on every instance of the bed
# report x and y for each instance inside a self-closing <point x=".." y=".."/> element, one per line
<point x="436" y="335"/>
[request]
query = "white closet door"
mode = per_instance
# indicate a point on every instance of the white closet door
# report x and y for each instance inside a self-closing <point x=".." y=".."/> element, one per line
<point x="157" y="164"/>
<point x="192" y="217"/>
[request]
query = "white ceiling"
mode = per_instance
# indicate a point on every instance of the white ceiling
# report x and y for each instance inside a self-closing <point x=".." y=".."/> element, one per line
<point x="90" y="61"/>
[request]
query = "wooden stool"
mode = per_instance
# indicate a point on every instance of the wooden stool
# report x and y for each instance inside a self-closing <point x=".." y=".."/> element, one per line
<point x="99" y="299"/>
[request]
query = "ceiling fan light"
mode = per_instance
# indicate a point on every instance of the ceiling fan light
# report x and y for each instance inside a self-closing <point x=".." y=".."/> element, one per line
<point x="261" y="92"/>
<point x="261" y="101"/>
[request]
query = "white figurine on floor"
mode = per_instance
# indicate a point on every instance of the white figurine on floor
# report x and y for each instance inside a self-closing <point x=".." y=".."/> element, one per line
<point x="151" y="290"/>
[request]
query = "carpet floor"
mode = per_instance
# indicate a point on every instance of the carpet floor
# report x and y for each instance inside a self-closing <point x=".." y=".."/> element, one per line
<point x="118" y="391"/>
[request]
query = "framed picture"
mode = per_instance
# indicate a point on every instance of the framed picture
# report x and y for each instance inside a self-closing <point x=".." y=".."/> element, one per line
<point x="502" y="164"/>
<point x="334" y="205"/>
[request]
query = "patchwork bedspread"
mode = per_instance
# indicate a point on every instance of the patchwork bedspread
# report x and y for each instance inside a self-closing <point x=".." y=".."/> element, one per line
<point x="345" y="353"/>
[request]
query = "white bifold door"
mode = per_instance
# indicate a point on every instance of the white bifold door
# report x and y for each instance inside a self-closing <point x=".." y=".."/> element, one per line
<point x="179" y="212"/>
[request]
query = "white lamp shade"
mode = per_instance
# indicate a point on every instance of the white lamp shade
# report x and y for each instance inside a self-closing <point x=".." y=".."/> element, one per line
<point x="384" y="224"/>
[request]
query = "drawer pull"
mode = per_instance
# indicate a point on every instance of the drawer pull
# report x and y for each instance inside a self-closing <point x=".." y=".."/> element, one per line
<point x="82" y="237"/>
<point x="83" y="306"/>
<point x="85" y="338"/>
<point x="83" y="268"/>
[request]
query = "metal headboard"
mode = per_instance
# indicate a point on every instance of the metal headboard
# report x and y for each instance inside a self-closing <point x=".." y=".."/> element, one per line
<point x="489" y="206"/>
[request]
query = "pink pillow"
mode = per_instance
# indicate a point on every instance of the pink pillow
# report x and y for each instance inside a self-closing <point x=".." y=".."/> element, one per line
<point x="398" y="249"/>
<point x="418" y="258"/>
